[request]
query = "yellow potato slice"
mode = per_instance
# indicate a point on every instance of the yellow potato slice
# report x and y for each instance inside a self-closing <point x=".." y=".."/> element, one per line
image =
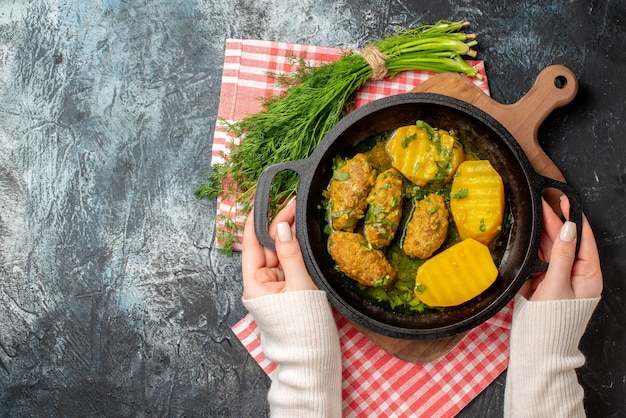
<point x="455" y="275"/>
<point x="424" y="155"/>
<point x="477" y="201"/>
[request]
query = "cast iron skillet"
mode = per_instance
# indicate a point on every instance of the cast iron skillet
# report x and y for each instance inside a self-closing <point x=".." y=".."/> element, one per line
<point x="523" y="189"/>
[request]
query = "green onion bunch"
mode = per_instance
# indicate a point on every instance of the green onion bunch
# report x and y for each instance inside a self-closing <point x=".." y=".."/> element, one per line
<point x="315" y="98"/>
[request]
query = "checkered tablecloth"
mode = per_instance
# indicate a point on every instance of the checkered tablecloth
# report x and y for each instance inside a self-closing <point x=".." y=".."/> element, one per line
<point x="374" y="382"/>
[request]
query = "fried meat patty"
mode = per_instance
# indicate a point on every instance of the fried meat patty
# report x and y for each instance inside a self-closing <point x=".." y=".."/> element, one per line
<point x="384" y="208"/>
<point x="428" y="228"/>
<point x="348" y="191"/>
<point x="358" y="260"/>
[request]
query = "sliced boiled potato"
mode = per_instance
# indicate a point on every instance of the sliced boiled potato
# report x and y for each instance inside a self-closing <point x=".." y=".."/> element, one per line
<point x="455" y="275"/>
<point x="477" y="201"/>
<point x="425" y="155"/>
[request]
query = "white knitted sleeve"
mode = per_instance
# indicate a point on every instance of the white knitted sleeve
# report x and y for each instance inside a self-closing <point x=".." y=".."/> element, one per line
<point x="541" y="378"/>
<point x="299" y="333"/>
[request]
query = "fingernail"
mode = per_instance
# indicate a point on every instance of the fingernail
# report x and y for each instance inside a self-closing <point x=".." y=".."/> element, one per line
<point x="284" y="232"/>
<point x="291" y="200"/>
<point x="568" y="231"/>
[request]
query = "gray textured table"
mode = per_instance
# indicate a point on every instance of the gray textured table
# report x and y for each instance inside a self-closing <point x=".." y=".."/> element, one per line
<point x="113" y="301"/>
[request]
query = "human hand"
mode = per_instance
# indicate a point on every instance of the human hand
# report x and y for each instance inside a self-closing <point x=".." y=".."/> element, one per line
<point x="568" y="276"/>
<point x="267" y="272"/>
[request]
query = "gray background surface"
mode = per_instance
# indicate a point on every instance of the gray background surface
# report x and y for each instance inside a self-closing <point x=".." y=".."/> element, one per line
<point x="113" y="301"/>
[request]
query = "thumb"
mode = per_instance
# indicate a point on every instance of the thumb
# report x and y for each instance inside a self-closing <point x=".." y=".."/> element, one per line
<point x="290" y="258"/>
<point x="557" y="283"/>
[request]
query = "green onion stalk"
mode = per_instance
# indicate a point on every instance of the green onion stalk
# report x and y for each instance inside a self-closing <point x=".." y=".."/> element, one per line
<point x="314" y="99"/>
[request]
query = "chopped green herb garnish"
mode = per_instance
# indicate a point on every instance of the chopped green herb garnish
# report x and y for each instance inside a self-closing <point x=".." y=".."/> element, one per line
<point x="407" y="139"/>
<point x="430" y="131"/>
<point x="341" y="175"/>
<point x="461" y="194"/>
<point x="382" y="282"/>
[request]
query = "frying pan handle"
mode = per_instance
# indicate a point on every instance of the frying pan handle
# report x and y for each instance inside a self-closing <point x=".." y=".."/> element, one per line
<point x="262" y="198"/>
<point x="575" y="212"/>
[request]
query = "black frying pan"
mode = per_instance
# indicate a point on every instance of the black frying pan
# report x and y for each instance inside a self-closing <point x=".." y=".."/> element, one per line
<point x="523" y="188"/>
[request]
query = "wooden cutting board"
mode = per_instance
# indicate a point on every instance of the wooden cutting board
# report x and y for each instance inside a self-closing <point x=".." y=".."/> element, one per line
<point x="555" y="86"/>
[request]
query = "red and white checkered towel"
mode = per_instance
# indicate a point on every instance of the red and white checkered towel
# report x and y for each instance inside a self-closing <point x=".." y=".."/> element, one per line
<point x="375" y="383"/>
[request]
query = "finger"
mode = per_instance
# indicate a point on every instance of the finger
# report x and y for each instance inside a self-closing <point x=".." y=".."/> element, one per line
<point x="288" y="250"/>
<point x="565" y="205"/>
<point x="588" y="248"/>
<point x="270" y="255"/>
<point x="587" y="274"/>
<point x="551" y="226"/>
<point x="287" y="214"/>
<point x="557" y="281"/>
<point x="551" y="221"/>
<point x="254" y="256"/>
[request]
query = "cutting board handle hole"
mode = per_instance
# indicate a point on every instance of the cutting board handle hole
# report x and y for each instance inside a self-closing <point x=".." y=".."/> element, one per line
<point x="560" y="81"/>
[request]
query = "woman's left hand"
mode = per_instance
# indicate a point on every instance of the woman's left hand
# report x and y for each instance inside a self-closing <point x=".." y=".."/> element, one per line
<point x="267" y="272"/>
